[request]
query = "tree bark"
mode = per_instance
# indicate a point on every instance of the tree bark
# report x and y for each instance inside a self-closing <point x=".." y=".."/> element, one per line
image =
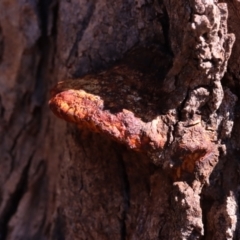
<point x="152" y="88"/>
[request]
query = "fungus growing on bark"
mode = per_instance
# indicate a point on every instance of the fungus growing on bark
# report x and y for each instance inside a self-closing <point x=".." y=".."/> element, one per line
<point x="144" y="107"/>
<point x="178" y="112"/>
<point x="109" y="108"/>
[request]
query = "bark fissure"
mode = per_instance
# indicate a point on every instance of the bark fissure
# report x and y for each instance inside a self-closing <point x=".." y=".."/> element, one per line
<point x="84" y="24"/>
<point x="164" y="20"/>
<point x="126" y="195"/>
<point x="13" y="200"/>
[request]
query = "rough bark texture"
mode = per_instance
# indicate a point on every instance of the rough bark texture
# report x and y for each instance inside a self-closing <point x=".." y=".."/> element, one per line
<point x="152" y="87"/>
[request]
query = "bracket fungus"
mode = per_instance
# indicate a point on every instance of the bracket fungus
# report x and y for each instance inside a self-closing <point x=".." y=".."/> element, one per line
<point x="175" y="110"/>
<point x="104" y="103"/>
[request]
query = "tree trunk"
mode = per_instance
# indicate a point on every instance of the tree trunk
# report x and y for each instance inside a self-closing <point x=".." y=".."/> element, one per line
<point x="152" y="89"/>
